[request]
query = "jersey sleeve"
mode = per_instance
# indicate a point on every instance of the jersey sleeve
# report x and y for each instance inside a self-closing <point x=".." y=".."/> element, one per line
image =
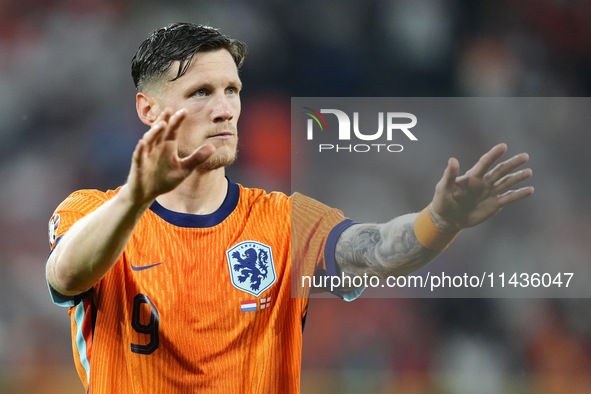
<point x="315" y="229"/>
<point x="72" y="209"/>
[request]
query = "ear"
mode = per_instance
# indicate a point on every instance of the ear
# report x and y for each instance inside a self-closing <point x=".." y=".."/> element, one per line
<point x="147" y="108"/>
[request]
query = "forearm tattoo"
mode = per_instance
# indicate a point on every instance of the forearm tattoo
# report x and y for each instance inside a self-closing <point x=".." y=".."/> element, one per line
<point x="382" y="249"/>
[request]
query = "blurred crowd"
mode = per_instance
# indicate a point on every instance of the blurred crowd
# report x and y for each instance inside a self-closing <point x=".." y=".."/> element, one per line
<point x="68" y="121"/>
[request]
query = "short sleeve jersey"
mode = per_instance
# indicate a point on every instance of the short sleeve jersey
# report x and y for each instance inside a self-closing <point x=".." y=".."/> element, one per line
<point x="200" y="303"/>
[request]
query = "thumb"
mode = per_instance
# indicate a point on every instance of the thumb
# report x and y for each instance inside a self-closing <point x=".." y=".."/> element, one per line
<point x="199" y="155"/>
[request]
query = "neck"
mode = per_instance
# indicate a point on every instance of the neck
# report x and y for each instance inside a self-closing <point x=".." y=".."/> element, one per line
<point x="201" y="193"/>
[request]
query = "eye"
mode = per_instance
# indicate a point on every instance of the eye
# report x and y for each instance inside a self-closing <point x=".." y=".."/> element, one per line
<point x="200" y="93"/>
<point x="232" y="90"/>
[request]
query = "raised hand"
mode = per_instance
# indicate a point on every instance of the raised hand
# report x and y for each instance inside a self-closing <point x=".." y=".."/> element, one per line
<point x="481" y="193"/>
<point x="156" y="167"/>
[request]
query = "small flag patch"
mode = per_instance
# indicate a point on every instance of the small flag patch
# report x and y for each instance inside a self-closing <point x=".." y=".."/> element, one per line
<point x="265" y="302"/>
<point x="54" y="224"/>
<point x="247" y="306"/>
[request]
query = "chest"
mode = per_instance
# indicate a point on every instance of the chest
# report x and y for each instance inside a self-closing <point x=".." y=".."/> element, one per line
<point x="199" y="276"/>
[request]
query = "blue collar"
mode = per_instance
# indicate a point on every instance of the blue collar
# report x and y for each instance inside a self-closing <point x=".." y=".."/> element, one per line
<point x="201" y="221"/>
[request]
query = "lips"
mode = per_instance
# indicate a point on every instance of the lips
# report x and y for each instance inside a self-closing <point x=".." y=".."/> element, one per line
<point x="223" y="134"/>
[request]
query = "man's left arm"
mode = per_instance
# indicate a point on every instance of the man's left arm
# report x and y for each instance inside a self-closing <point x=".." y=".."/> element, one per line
<point x="409" y="242"/>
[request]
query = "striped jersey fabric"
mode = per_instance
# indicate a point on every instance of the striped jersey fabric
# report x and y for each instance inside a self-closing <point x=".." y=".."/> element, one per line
<point x="200" y="303"/>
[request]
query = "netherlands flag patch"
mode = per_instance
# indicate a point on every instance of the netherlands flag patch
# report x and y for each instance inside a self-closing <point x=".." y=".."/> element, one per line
<point x="247" y="306"/>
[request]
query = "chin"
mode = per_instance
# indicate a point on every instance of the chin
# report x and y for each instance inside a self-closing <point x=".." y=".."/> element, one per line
<point x="218" y="161"/>
<point x="224" y="156"/>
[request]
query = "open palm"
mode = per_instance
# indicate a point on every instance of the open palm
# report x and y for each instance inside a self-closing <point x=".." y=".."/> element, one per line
<point x="470" y="199"/>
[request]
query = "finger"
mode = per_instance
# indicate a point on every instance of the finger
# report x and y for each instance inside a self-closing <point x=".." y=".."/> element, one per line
<point x="515" y="195"/>
<point x="160" y="118"/>
<point x="506" y="167"/>
<point x="165" y="115"/>
<point x="488" y="159"/>
<point x="508" y="181"/>
<point x="160" y="115"/>
<point x="138" y="153"/>
<point x="198" y="156"/>
<point x="165" y="118"/>
<point x="151" y="135"/>
<point x="173" y="125"/>
<point x="450" y="174"/>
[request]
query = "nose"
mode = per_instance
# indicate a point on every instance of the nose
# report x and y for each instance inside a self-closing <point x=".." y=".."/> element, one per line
<point x="222" y="111"/>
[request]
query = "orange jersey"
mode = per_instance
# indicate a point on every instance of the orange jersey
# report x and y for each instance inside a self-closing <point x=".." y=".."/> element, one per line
<point x="200" y="303"/>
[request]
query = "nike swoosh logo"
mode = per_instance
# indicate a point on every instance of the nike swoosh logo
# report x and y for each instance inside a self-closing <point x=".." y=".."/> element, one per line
<point x="133" y="267"/>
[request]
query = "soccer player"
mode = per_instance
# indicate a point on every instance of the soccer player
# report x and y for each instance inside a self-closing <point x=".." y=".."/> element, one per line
<point x="179" y="281"/>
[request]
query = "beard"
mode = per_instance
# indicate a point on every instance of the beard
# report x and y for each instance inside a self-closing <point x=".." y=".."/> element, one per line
<point x="215" y="161"/>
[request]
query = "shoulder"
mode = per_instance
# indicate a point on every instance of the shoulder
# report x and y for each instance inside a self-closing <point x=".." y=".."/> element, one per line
<point x="297" y="204"/>
<point x="86" y="200"/>
<point x="304" y="205"/>
<point x="253" y="196"/>
<point x="265" y="208"/>
<point x="73" y="208"/>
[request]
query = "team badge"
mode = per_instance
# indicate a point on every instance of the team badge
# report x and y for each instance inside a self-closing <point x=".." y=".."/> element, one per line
<point x="251" y="267"/>
<point x="54" y="224"/>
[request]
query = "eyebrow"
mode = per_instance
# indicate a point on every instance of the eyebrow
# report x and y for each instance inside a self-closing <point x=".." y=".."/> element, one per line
<point x="208" y="85"/>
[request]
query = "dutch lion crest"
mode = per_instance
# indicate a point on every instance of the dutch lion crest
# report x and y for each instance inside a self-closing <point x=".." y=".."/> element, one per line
<point x="251" y="266"/>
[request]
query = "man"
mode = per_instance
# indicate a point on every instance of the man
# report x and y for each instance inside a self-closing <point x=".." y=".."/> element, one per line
<point x="180" y="280"/>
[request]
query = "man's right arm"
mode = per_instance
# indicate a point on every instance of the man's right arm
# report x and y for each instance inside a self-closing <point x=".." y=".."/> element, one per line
<point x="88" y="250"/>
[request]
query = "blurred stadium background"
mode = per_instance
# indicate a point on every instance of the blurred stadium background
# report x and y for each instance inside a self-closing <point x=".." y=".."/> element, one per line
<point x="67" y="121"/>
